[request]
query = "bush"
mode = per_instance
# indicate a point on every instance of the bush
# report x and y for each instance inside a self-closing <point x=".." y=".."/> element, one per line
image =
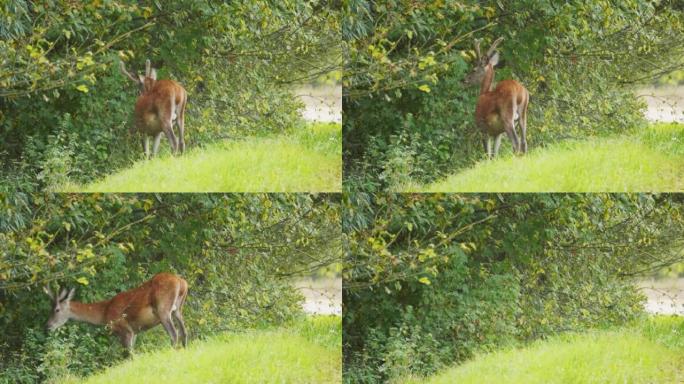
<point x="432" y="279"/>
<point x="407" y="62"/>
<point x="237" y="253"/>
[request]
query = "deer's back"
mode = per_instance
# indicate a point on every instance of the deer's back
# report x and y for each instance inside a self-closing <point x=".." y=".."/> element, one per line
<point x="139" y="306"/>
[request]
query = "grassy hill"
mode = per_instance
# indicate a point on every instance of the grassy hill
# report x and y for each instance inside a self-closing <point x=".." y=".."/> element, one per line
<point x="309" y="160"/>
<point x="652" y="160"/>
<point x="307" y="352"/>
<point x="650" y="352"/>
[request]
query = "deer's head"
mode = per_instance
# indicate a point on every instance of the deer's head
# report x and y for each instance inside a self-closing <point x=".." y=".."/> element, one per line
<point x="145" y="82"/>
<point x="482" y="61"/>
<point x="61" y="308"/>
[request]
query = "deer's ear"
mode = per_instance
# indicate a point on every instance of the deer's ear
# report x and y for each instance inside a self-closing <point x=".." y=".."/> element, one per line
<point x="153" y="74"/>
<point x="71" y="294"/>
<point x="48" y="292"/>
<point x="62" y="294"/>
<point x="141" y="79"/>
<point x="494" y="59"/>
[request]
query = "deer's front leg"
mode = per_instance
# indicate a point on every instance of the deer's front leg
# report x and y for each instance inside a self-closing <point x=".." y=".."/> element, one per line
<point x="146" y="146"/>
<point x="497" y="144"/>
<point x="127" y="338"/>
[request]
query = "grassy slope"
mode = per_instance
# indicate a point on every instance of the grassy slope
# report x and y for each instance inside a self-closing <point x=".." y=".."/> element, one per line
<point x="651" y="352"/>
<point x="307" y="352"/>
<point x="310" y="160"/>
<point x="650" y="161"/>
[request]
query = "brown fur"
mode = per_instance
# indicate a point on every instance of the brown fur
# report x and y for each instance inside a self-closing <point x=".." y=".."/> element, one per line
<point x="156" y="107"/>
<point x="497" y="109"/>
<point x="161" y="102"/>
<point x="155" y="302"/>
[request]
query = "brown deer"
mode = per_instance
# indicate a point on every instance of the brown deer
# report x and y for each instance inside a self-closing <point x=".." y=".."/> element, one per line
<point x="498" y="108"/>
<point x="161" y="102"/>
<point x="158" y="300"/>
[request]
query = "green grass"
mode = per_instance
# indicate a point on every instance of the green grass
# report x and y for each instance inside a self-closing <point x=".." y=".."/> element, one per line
<point x="308" y="160"/>
<point x="305" y="352"/>
<point x="652" y="160"/>
<point x="649" y="352"/>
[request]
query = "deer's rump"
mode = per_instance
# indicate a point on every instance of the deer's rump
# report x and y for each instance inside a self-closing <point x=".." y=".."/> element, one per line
<point x="494" y="105"/>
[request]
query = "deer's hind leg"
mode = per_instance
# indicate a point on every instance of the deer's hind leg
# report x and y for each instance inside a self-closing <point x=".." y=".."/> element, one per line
<point x="168" y="131"/>
<point x="155" y="146"/>
<point x="523" y="124"/>
<point x="509" y="126"/>
<point x="180" y="120"/>
<point x="178" y="315"/>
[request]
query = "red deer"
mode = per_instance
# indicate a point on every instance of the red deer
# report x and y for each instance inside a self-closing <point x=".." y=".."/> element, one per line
<point x="161" y="102"/>
<point x="498" y="108"/>
<point x="156" y="301"/>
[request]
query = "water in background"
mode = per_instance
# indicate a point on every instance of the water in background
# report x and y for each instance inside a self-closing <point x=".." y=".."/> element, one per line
<point x="322" y="296"/>
<point x="665" y="103"/>
<point x="664" y="296"/>
<point x="322" y="103"/>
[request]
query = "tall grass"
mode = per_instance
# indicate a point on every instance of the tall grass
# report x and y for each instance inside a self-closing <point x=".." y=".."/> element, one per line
<point x="308" y="159"/>
<point x="652" y="160"/>
<point x="304" y="352"/>
<point x="650" y="352"/>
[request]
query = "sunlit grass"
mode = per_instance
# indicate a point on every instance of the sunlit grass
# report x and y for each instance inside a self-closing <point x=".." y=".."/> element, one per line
<point x="306" y="352"/>
<point x="645" y="353"/>
<point x="650" y="161"/>
<point x="308" y="160"/>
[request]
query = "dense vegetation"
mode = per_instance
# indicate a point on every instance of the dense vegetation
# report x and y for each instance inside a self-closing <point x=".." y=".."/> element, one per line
<point x="650" y="160"/>
<point x="306" y="160"/>
<point x="237" y="252"/>
<point x="647" y="352"/>
<point x="65" y="109"/>
<point x="310" y="348"/>
<point x="408" y="117"/>
<point x="432" y="279"/>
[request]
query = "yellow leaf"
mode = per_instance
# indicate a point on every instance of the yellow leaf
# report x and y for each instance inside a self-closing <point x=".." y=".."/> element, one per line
<point x="82" y="88"/>
<point x="82" y="280"/>
<point x="424" y="280"/>
<point x="425" y="88"/>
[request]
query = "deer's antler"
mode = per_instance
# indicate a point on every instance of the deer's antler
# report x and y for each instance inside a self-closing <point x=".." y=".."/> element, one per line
<point x="126" y="73"/>
<point x="491" y="49"/>
<point x="477" y="48"/>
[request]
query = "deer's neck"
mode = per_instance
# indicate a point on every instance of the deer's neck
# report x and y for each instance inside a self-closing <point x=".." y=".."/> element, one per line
<point x="93" y="313"/>
<point x="487" y="79"/>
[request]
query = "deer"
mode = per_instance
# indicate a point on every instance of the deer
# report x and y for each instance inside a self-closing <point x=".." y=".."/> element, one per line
<point x="498" y="108"/>
<point x="160" y="103"/>
<point x="128" y="313"/>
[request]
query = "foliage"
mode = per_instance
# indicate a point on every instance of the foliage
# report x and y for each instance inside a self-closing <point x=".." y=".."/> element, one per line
<point x="625" y="355"/>
<point x="307" y="159"/>
<point x="237" y="252"/>
<point x="646" y="161"/>
<point x="65" y="109"/>
<point x="431" y="279"/>
<point x="406" y="61"/>
<point x="282" y="355"/>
